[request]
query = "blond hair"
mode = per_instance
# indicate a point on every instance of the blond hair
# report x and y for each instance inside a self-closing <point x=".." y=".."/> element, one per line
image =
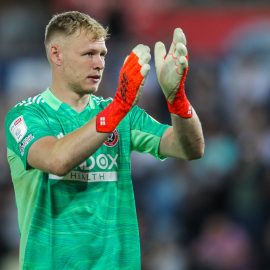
<point x="67" y="23"/>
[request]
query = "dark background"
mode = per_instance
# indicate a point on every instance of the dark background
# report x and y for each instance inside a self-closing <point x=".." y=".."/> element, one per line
<point x="209" y="214"/>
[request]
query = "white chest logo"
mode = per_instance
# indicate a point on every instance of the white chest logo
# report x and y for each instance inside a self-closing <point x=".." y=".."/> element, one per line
<point x="18" y="128"/>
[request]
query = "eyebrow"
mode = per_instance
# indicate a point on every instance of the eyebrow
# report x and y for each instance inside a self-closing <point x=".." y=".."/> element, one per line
<point x="95" y="51"/>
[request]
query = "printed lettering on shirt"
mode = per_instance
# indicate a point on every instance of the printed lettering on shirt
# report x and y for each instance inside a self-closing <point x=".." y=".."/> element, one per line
<point x="102" y="168"/>
<point x="18" y="128"/>
<point x="87" y="176"/>
<point x="25" y="142"/>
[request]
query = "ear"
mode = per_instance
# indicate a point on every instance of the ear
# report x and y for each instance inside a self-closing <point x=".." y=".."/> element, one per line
<point x="56" y="55"/>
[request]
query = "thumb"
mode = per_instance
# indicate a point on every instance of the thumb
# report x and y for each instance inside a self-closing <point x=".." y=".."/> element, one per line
<point x="160" y="53"/>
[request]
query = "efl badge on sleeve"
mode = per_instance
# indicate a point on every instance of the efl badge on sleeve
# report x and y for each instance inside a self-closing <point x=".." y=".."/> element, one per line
<point x="18" y="128"/>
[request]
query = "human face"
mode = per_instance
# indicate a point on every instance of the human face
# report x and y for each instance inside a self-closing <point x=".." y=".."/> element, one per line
<point x="83" y="62"/>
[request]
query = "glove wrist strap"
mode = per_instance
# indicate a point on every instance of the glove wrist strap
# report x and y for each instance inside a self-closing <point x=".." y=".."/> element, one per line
<point x="180" y="105"/>
<point x="108" y="119"/>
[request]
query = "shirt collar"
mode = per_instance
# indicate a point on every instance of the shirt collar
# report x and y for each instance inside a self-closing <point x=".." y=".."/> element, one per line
<point x="55" y="103"/>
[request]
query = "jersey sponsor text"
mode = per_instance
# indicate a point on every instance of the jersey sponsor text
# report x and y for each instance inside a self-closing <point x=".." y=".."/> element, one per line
<point x="87" y="176"/>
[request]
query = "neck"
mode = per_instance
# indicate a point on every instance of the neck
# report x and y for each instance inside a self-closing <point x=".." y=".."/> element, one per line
<point x="76" y="100"/>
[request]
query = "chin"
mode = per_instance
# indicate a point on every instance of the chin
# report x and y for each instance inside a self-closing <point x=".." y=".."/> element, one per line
<point x="89" y="89"/>
<point x="92" y="90"/>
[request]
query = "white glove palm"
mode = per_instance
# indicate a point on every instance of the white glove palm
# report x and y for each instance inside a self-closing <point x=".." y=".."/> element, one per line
<point x="170" y="68"/>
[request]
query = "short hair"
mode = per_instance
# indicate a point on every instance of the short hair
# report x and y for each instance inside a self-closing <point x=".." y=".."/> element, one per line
<point x="67" y="23"/>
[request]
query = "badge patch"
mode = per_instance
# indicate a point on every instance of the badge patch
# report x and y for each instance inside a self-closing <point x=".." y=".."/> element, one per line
<point x="112" y="139"/>
<point x="18" y="128"/>
<point x="25" y="142"/>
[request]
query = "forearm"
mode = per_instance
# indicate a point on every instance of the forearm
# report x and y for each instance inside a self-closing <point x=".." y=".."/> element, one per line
<point x="77" y="146"/>
<point x="67" y="152"/>
<point x="184" y="139"/>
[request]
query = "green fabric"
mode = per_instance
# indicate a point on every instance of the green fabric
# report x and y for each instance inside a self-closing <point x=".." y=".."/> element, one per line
<point x="86" y="219"/>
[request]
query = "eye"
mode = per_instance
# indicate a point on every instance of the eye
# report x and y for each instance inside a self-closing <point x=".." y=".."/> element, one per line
<point x="103" y="53"/>
<point x="89" y="54"/>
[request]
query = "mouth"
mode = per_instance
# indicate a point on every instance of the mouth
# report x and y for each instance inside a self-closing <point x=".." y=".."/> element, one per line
<point x="94" y="78"/>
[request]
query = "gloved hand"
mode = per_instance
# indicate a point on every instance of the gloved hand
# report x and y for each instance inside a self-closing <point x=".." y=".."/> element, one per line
<point x="171" y="72"/>
<point x="131" y="81"/>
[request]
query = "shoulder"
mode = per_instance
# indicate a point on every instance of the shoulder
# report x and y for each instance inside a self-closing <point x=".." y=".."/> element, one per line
<point x="31" y="103"/>
<point x="25" y="108"/>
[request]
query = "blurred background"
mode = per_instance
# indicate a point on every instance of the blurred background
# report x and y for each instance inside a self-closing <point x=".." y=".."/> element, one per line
<point x="208" y="214"/>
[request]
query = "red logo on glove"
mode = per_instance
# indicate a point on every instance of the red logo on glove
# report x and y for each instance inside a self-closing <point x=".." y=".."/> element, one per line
<point x="123" y="86"/>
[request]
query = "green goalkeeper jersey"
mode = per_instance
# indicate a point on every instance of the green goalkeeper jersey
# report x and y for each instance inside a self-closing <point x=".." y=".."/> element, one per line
<point x="85" y="220"/>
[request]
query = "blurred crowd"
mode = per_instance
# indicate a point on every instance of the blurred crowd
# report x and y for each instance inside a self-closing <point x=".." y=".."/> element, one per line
<point x="208" y="214"/>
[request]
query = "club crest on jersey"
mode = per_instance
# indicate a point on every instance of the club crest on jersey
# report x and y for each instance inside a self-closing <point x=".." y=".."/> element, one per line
<point x="112" y="139"/>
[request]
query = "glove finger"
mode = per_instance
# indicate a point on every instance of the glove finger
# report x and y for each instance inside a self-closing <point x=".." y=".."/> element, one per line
<point x="183" y="64"/>
<point x="130" y="60"/>
<point x="145" y="70"/>
<point x="141" y="49"/>
<point x="181" y="50"/>
<point x="143" y="60"/>
<point x="178" y="36"/>
<point x="160" y="54"/>
<point x="140" y="55"/>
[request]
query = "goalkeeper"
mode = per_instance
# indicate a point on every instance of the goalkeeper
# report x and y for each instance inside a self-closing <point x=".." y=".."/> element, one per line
<point x="69" y="150"/>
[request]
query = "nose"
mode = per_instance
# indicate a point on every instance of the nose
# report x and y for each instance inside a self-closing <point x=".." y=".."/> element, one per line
<point x="99" y="62"/>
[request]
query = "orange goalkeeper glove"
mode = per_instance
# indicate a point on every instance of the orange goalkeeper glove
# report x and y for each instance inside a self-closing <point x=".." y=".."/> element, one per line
<point x="171" y="72"/>
<point x="131" y="81"/>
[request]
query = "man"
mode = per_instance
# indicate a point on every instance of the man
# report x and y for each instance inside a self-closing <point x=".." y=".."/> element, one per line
<point x="69" y="151"/>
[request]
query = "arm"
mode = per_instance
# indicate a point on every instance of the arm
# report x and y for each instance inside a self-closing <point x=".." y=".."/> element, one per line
<point x="67" y="152"/>
<point x="185" y="138"/>
<point x="59" y="156"/>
